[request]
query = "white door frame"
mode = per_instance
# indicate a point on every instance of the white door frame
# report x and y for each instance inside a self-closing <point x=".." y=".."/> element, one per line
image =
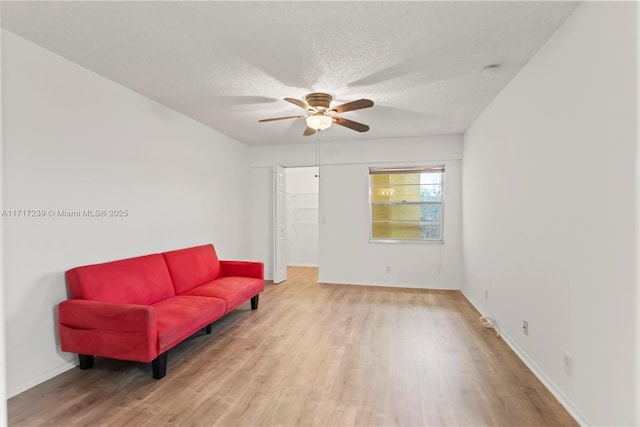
<point x="280" y="224"/>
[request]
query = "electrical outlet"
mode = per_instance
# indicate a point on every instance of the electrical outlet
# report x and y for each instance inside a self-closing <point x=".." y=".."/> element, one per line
<point x="486" y="294"/>
<point x="388" y="269"/>
<point x="525" y="327"/>
<point x="568" y="363"/>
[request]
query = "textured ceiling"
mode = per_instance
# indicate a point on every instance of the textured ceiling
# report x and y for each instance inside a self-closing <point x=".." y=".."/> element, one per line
<point x="229" y="64"/>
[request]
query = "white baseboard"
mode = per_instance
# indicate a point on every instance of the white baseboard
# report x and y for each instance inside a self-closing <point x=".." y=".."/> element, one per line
<point x="40" y="379"/>
<point x="384" y="285"/>
<point x="535" y="369"/>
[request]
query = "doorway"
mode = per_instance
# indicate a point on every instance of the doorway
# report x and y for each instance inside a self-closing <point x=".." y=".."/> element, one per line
<point x="302" y="216"/>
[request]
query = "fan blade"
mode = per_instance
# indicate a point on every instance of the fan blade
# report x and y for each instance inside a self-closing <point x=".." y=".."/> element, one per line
<point x="353" y="105"/>
<point x="282" y="118"/>
<point x="351" y="124"/>
<point x="298" y="103"/>
<point x="309" y="131"/>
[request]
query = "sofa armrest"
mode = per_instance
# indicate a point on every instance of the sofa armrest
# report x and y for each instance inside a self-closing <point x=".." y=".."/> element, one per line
<point x="242" y="269"/>
<point x="92" y="315"/>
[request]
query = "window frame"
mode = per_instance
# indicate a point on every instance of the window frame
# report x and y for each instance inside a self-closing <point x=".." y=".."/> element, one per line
<point x="408" y="169"/>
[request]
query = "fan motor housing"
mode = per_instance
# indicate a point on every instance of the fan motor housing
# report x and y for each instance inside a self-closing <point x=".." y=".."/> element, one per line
<point x="319" y="100"/>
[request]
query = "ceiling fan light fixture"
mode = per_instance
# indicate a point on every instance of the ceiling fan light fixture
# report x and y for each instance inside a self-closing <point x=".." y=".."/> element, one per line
<point x="322" y="115"/>
<point x="319" y="121"/>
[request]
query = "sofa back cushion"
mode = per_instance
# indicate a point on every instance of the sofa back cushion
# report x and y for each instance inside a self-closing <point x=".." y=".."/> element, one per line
<point x="191" y="267"/>
<point x="142" y="280"/>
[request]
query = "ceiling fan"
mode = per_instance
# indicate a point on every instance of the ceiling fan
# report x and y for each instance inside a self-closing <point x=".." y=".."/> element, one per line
<point x="322" y="115"/>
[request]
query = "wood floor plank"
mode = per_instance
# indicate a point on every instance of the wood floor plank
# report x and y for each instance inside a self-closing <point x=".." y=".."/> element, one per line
<point x="313" y="355"/>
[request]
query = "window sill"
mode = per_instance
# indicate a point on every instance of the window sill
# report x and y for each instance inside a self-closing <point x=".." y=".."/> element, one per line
<point x="407" y="241"/>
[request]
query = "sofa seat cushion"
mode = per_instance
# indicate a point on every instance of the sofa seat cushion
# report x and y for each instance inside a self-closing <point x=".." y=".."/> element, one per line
<point x="191" y="267"/>
<point x="142" y="280"/>
<point x="178" y="317"/>
<point x="234" y="290"/>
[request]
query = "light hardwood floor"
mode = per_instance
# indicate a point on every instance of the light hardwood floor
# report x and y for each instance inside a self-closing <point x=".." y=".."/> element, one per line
<point x="313" y="355"/>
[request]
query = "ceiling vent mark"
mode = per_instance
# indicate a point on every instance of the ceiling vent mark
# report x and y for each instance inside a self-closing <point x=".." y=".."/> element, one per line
<point x="491" y="69"/>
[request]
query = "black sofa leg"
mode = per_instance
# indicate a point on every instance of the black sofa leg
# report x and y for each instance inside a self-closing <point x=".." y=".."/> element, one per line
<point x="208" y="329"/>
<point x="86" y="361"/>
<point x="254" y="302"/>
<point x="159" y="366"/>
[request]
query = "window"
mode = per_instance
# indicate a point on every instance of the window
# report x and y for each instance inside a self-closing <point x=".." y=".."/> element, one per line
<point x="406" y="203"/>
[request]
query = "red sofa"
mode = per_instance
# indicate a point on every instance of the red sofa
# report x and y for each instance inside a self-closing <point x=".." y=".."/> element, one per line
<point x="138" y="308"/>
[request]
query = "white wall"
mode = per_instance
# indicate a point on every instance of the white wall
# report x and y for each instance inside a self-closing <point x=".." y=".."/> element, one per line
<point x="346" y="256"/>
<point x="262" y="217"/>
<point x="302" y="216"/>
<point x="75" y="140"/>
<point x="549" y="222"/>
<point x="3" y="372"/>
<point x="637" y="313"/>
